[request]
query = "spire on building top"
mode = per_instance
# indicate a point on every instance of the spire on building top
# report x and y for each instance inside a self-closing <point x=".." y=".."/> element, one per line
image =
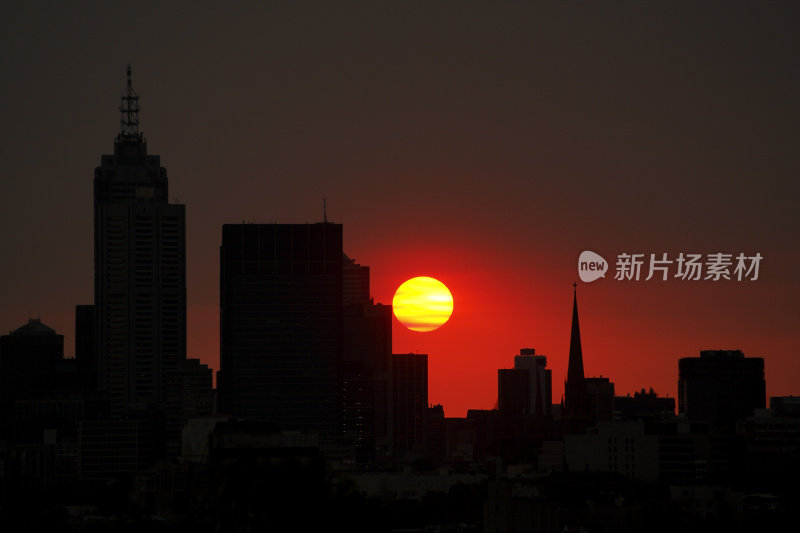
<point x="576" y="414"/>
<point x="575" y="369"/>
<point x="129" y="111"/>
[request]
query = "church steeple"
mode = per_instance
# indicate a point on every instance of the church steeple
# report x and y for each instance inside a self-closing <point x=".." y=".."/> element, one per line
<point x="575" y="416"/>
<point x="575" y="369"/>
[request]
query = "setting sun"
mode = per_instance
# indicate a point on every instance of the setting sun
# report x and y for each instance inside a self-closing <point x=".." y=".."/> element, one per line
<point x="422" y="304"/>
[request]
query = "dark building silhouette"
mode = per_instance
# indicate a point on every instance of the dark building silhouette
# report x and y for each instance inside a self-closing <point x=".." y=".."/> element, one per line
<point x="28" y="359"/>
<point x="43" y="398"/>
<point x="504" y="434"/>
<point x="366" y="366"/>
<point x="262" y="479"/>
<point x="513" y="390"/>
<point x="575" y="415"/>
<point x="788" y="406"/>
<point x="85" y="345"/>
<point x="355" y="283"/>
<point x="409" y="401"/>
<point x="643" y="405"/>
<point x="515" y="506"/>
<point x="772" y="438"/>
<point x="134" y="336"/>
<point x="526" y="388"/>
<point x="281" y="329"/>
<point x="189" y="395"/>
<point x="720" y="387"/>
<point x="125" y="445"/>
<point x="599" y="399"/>
<point x="435" y="433"/>
<point x="140" y="271"/>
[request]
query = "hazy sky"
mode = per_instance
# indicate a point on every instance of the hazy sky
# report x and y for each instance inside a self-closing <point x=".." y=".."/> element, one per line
<point x="482" y="143"/>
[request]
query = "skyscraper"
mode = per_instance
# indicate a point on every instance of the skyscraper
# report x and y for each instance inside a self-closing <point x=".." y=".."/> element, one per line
<point x="366" y="366"/>
<point x="85" y="345"/>
<point x="140" y="271"/>
<point x="281" y="327"/>
<point x="409" y="400"/>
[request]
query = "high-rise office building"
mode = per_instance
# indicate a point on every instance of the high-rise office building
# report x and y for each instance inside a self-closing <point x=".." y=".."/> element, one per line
<point x="281" y="324"/>
<point x="721" y="387"/>
<point x="366" y="368"/>
<point x="140" y="271"/>
<point x="85" y="345"/>
<point x="355" y="280"/>
<point x="409" y="400"/>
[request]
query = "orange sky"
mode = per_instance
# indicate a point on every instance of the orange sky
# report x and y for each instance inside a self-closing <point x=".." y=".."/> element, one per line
<point x="633" y="333"/>
<point x="485" y="144"/>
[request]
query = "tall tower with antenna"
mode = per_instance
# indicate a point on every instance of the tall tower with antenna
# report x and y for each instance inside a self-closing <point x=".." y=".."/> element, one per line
<point x="129" y="111"/>
<point x="140" y="271"/>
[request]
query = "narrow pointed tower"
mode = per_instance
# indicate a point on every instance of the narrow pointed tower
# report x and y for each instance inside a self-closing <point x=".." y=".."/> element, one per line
<point x="575" y="401"/>
<point x="575" y="369"/>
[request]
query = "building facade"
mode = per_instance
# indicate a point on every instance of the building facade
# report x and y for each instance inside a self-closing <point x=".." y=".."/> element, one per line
<point x="409" y="401"/>
<point x="721" y="387"/>
<point x="281" y="324"/>
<point x="140" y="271"/>
<point x="366" y="366"/>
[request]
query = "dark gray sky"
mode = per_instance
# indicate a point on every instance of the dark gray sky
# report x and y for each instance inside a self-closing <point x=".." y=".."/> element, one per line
<point x="486" y="143"/>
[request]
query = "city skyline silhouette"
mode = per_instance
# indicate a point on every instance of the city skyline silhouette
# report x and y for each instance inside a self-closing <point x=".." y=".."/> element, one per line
<point x="236" y="362"/>
<point x="489" y="153"/>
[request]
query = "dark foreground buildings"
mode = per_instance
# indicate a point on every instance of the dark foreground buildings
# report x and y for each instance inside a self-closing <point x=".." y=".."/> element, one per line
<point x="322" y="424"/>
<point x="42" y="394"/>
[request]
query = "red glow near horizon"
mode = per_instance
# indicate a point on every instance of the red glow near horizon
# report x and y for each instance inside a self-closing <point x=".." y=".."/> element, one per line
<point x="633" y="334"/>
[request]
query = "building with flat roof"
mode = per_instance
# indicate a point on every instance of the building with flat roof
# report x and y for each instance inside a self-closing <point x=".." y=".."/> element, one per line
<point x="721" y="387"/>
<point x="281" y="329"/>
<point x="409" y="401"/>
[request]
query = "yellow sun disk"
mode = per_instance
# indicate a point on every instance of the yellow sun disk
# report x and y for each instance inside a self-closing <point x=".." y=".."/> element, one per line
<point x="422" y="304"/>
